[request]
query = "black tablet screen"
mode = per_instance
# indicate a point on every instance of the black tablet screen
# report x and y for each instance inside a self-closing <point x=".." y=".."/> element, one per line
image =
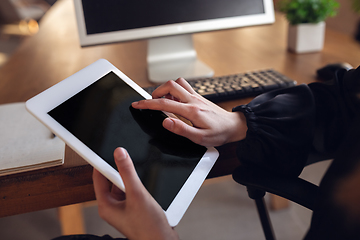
<point x="102" y="118"/>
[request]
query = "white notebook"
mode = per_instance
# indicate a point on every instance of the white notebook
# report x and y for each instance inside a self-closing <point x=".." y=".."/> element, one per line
<point x="25" y="143"/>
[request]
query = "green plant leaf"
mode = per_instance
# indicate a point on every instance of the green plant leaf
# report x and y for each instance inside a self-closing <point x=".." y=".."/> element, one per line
<point x="309" y="11"/>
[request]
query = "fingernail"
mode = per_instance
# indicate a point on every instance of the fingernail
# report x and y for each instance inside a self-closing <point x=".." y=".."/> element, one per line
<point x="168" y="123"/>
<point x="135" y="104"/>
<point x="120" y="153"/>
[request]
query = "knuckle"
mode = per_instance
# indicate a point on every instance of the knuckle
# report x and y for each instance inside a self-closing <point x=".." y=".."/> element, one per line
<point x="125" y="166"/>
<point x="162" y="101"/>
<point x="194" y="112"/>
<point x="193" y="109"/>
<point x="170" y="83"/>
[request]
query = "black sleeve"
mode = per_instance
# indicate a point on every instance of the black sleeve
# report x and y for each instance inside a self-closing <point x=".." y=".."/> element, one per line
<point x="285" y="126"/>
<point x="337" y="105"/>
<point x="281" y="126"/>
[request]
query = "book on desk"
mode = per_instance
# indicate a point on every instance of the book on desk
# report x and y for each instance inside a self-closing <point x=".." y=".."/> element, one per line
<point x="25" y="143"/>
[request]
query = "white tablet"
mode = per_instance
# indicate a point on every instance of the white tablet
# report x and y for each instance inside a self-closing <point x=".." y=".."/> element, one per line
<point x="91" y="111"/>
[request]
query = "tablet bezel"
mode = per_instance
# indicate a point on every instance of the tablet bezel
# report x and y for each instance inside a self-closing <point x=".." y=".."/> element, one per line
<point x="47" y="100"/>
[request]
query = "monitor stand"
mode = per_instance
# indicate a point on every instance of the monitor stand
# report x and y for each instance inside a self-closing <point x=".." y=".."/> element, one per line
<point x="172" y="57"/>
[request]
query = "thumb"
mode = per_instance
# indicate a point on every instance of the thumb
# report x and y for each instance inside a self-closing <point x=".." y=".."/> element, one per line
<point x="181" y="128"/>
<point x="127" y="171"/>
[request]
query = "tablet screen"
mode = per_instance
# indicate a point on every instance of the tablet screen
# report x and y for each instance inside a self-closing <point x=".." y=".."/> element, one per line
<point x="102" y="118"/>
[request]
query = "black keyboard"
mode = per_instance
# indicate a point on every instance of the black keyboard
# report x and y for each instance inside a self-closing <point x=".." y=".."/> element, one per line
<point x="239" y="85"/>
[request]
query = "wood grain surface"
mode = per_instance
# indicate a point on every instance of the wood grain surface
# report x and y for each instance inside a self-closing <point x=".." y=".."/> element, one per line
<point x="54" y="53"/>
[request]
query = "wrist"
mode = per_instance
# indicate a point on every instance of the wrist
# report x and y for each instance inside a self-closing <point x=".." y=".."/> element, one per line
<point x="238" y="132"/>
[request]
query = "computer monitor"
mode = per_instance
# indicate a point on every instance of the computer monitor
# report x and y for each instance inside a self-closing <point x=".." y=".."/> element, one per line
<point x="168" y="25"/>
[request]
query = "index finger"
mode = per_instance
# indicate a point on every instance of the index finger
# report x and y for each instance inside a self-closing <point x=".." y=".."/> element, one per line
<point x="163" y="104"/>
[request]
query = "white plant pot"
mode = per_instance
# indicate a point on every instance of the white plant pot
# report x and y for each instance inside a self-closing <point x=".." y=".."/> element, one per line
<point x="306" y="37"/>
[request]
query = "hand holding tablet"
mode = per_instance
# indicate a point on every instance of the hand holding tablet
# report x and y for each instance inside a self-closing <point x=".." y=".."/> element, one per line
<point x="119" y="211"/>
<point x="91" y="111"/>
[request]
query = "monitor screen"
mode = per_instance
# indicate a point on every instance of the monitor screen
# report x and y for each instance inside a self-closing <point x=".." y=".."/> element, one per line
<point x="165" y="23"/>
<point x="118" y="20"/>
<point x="110" y="16"/>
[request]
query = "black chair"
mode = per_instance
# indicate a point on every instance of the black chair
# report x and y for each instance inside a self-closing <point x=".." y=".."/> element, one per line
<point x="259" y="180"/>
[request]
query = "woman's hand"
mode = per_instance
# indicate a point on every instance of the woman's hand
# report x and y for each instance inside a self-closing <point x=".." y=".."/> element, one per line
<point x="134" y="213"/>
<point x="210" y="125"/>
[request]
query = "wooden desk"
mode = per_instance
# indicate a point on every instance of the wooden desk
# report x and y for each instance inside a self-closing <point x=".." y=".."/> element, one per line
<point x="54" y="54"/>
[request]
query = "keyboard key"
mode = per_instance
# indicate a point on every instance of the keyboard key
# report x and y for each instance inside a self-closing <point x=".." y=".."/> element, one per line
<point x="240" y="85"/>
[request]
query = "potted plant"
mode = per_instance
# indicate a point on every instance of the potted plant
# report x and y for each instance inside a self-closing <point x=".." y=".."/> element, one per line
<point x="306" y="22"/>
